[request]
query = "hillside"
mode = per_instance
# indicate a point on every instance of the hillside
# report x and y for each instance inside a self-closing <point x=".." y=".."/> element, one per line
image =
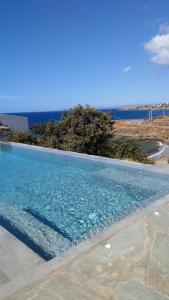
<point x="157" y="129"/>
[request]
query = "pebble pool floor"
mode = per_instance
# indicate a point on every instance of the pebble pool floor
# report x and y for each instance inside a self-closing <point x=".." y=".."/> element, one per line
<point x="74" y="195"/>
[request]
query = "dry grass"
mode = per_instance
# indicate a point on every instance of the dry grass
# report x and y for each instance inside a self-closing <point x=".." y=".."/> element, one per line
<point x="158" y="129"/>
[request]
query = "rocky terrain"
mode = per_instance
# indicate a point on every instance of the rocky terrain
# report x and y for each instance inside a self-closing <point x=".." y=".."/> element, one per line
<point x="157" y="129"/>
<point x="4" y="133"/>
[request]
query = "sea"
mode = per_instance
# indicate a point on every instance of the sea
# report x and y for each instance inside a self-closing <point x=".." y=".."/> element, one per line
<point x="117" y="114"/>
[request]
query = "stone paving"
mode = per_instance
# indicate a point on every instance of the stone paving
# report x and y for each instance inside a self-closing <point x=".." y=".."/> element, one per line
<point x="129" y="264"/>
<point x="15" y="257"/>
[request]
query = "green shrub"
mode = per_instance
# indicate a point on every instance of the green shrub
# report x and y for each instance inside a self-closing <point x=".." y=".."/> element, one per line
<point x="129" y="148"/>
<point x="23" y="137"/>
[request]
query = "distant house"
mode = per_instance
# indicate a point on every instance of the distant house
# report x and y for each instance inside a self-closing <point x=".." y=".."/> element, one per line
<point x="16" y="123"/>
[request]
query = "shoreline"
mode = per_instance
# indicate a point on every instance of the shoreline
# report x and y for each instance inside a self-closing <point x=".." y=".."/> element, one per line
<point x="144" y="108"/>
<point x="161" y="149"/>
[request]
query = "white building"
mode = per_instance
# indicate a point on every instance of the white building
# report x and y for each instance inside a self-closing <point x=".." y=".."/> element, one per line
<point x="17" y="123"/>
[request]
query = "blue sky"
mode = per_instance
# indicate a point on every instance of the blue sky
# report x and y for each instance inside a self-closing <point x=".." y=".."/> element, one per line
<point x="55" y="54"/>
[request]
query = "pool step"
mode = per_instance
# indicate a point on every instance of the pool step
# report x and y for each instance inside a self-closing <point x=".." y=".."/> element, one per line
<point x="43" y="239"/>
<point x="45" y="221"/>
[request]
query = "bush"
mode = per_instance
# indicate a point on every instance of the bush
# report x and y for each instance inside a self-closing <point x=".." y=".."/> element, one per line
<point x="129" y="148"/>
<point x="23" y="137"/>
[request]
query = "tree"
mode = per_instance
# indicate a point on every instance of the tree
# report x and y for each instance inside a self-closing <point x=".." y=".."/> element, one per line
<point x="86" y="130"/>
<point x="82" y="129"/>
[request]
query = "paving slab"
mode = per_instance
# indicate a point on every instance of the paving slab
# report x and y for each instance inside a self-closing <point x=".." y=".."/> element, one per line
<point x="58" y="288"/>
<point x="15" y="257"/>
<point x="3" y="278"/>
<point x="158" y="272"/>
<point x="134" y="290"/>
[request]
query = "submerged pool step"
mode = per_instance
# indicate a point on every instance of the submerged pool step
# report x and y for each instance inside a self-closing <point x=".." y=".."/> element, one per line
<point x="45" y="221"/>
<point x="39" y="236"/>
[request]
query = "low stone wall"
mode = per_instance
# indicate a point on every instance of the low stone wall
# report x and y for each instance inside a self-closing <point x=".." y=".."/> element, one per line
<point x="4" y="133"/>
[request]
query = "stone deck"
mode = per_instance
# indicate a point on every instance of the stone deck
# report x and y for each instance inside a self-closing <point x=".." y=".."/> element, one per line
<point x="16" y="258"/>
<point x="129" y="261"/>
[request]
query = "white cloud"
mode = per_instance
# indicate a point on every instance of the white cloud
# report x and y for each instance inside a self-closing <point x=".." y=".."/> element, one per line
<point x="127" y="69"/>
<point x="158" y="46"/>
<point x="5" y="97"/>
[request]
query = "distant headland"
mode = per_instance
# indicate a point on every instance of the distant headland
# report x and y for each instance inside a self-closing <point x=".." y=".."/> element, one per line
<point x="159" y="106"/>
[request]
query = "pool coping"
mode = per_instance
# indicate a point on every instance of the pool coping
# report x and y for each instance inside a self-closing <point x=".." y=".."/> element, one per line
<point x="36" y="275"/>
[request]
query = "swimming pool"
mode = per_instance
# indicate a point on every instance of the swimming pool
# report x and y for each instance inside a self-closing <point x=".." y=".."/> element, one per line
<point x="52" y="200"/>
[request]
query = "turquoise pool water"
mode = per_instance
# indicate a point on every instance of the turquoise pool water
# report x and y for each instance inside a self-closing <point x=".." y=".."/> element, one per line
<point x="54" y="198"/>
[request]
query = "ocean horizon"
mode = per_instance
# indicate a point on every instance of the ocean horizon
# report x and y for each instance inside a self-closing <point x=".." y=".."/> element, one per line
<point x="117" y="114"/>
